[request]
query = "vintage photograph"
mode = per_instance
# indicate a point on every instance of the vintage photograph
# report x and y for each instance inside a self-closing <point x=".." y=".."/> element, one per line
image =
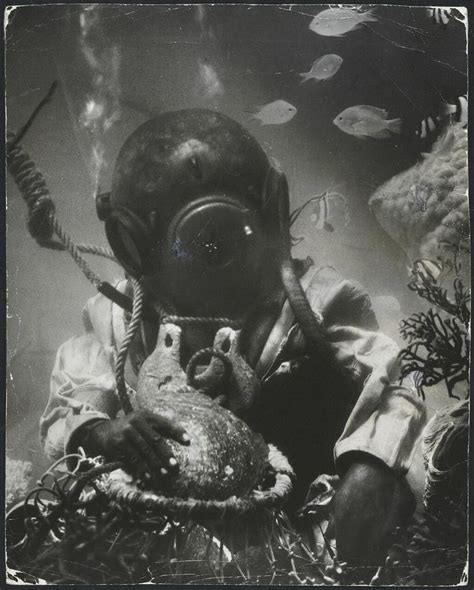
<point x="238" y="294"/>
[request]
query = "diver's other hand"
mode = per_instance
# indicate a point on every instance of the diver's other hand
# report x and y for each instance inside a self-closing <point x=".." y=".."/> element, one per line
<point x="370" y="502"/>
<point x="139" y="440"/>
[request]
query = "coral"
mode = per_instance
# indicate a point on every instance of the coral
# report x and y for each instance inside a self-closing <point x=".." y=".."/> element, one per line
<point x="425" y="208"/>
<point x="17" y="479"/>
<point x="445" y="446"/>
<point x="74" y="533"/>
<point x="431" y="551"/>
<point x="438" y="339"/>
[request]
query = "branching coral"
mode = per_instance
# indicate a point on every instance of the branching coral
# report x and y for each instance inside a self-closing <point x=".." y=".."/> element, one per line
<point x="438" y="339"/>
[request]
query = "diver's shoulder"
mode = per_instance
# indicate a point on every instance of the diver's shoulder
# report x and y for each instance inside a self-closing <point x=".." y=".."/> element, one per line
<point x="99" y="311"/>
<point x="339" y="299"/>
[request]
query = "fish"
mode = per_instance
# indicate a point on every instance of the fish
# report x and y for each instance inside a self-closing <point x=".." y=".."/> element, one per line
<point x="428" y="127"/>
<point x="327" y="207"/>
<point x="367" y="121"/>
<point x="277" y="112"/>
<point x="442" y="16"/>
<point x="456" y="112"/>
<point x="428" y="268"/>
<point x="323" y="68"/>
<point x="320" y="215"/>
<point x="336" y="22"/>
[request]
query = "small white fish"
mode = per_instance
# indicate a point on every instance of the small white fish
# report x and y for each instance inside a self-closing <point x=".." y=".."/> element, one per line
<point x="336" y="22"/>
<point x="323" y="68"/>
<point x="277" y="112"/>
<point x="367" y="121"/>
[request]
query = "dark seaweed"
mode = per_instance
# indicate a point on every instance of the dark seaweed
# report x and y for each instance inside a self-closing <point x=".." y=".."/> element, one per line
<point x="438" y="339"/>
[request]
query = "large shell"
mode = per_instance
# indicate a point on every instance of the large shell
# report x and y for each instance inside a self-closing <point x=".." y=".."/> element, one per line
<point x="225" y="457"/>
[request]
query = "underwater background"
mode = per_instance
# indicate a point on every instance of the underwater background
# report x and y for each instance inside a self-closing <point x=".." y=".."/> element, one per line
<point x="117" y="65"/>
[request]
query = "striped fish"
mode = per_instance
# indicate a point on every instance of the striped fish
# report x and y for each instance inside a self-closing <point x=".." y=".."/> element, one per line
<point x="429" y="269"/>
<point x="457" y="112"/>
<point x="452" y="112"/>
<point x="442" y="16"/>
<point x="428" y="127"/>
<point x="320" y="215"/>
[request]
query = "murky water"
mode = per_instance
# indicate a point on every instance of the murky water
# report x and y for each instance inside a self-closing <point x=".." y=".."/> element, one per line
<point x="119" y="65"/>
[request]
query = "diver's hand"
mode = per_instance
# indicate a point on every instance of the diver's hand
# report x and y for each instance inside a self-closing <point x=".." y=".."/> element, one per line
<point x="370" y="502"/>
<point x="139" y="440"/>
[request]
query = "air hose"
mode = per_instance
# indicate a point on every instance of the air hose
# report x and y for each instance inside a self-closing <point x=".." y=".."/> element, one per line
<point x="309" y="321"/>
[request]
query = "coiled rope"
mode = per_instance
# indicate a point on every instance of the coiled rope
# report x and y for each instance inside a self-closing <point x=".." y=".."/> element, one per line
<point x="42" y="225"/>
<point x="42" y="222"/>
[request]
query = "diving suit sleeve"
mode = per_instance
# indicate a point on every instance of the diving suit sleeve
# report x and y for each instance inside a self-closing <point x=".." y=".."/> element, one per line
<point x="387" y="418"/>
<point x="82" y="391"/>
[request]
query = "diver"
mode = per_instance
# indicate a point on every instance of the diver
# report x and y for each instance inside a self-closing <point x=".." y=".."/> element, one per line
<point x="200" y="216"/>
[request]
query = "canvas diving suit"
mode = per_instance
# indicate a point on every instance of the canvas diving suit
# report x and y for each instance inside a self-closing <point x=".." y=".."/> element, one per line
<point x="304" y="407"/>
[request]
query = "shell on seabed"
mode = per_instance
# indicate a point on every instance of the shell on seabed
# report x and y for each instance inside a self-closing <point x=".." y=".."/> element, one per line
<point x="224" y="457"/>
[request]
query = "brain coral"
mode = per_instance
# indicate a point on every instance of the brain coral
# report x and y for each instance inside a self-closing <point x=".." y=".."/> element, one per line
<point x="425" y="208"/>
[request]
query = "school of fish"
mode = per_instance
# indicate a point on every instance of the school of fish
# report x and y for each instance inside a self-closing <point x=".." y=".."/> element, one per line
<point x="362" y="121"/>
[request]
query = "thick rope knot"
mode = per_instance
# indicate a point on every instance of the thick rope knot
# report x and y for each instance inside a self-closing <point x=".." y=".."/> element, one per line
<point x="32" y="186"/>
